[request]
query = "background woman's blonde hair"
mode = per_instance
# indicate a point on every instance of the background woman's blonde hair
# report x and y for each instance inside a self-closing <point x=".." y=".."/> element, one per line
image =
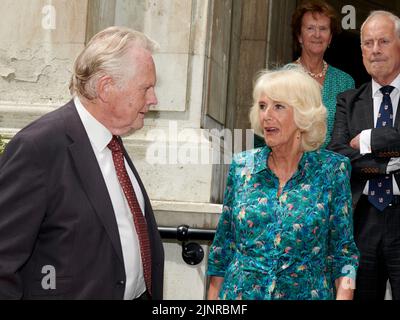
<point x="292" y="86"/>
<point x="105" y="54"/>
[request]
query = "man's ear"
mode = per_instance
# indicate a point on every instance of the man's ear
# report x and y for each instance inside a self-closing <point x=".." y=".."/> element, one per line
<point x="104" y="88"/>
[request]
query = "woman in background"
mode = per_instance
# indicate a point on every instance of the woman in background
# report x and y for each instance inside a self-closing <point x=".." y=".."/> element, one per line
<point x="314" y="23"/>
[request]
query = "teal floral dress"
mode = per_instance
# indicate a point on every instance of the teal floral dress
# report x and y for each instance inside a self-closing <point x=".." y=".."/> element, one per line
<point x="288" y="247"/>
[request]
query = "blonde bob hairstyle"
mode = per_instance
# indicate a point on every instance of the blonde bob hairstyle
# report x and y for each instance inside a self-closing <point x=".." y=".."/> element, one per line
<point x="106" y="54"/>
<point x="295" y="88"/>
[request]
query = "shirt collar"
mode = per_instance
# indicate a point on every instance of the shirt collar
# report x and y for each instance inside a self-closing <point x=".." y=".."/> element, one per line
<point x="260" y="157"/>
<point x="98" y="134"/>
<point x="376" y="86"/>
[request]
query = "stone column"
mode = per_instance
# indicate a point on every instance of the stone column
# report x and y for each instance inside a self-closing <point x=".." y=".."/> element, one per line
<point x="252" y="56"/>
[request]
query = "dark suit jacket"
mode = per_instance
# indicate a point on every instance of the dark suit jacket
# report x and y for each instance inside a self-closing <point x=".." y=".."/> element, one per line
<point x="354" y="113"/>
<point x="55" y="210"/>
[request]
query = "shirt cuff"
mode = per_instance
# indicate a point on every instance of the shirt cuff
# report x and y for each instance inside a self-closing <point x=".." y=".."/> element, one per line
<point x="365" y="141"/>
<point x="393" y="165"/>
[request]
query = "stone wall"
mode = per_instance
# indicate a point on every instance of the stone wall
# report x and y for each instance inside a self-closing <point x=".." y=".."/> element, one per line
<point x="37" y="48"/>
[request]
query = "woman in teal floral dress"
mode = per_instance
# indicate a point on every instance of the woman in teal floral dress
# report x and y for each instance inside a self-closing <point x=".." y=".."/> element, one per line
<point x="286" y="227"/>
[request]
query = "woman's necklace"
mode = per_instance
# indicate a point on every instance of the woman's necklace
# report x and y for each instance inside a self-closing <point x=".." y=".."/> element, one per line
<point x="315" y="75"/>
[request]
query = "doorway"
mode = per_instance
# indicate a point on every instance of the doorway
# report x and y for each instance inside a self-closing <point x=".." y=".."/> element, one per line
<point x="345" y="54"/>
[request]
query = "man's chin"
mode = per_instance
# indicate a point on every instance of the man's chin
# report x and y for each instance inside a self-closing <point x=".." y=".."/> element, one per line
<point x="125" y="131"/>
<point x="129" y="129"/>
<point x="135" y="127"/>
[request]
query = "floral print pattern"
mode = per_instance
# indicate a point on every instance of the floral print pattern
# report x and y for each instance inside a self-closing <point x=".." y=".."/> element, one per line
<point x="289" y="247"/>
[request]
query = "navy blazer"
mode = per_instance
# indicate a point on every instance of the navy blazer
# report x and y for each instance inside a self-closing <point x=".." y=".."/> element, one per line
<point x="355" y="113"/>
<point x="55" y="211"/>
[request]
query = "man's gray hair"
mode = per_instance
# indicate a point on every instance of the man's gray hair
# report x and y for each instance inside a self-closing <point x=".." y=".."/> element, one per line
<point x="391" y="16"/>
<point x="105" y="54"/>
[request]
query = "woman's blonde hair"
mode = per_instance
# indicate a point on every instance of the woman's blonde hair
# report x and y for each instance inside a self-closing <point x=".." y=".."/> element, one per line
<point x="105" y="54"/>
<point x="290" y="85"/>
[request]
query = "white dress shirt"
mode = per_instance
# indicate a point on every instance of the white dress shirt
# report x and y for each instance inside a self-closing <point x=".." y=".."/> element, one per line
<point x="99" y="137"/>
<point x="365" y="136"/>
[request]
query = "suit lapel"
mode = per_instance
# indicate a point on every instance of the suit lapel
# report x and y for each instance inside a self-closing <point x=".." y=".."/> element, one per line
<point x="397" y="119"/>
<point x="365" y="99"/>
<point x="366" y="107"/>
<point x="90" y="175"/>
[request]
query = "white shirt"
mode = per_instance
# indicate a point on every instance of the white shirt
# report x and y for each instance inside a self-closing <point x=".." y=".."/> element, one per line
<point x="365" y="136"/>
<point x="99" y="137"/>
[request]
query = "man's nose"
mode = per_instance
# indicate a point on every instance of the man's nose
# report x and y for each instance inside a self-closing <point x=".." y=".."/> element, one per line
<point x="376" y="48"/>
<point x="152" y="99"/>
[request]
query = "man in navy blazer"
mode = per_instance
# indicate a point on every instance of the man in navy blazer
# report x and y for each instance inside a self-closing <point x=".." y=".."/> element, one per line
<point x="66" y="228"/>
<point x="372" y="143"/>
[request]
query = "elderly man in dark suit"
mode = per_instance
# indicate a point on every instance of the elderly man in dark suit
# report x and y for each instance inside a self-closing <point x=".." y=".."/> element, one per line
<point x="75" y="218"/>
<point x="367" y="131"/>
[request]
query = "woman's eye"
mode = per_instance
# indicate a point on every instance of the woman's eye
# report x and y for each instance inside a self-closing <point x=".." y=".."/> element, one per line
<point x="279" y="106"/>
<point x="262" y="106"/>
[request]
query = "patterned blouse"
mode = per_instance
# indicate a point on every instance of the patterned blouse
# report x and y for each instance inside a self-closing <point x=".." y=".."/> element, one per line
<point x="336" y="81"/>
<point x="288" y="247"/>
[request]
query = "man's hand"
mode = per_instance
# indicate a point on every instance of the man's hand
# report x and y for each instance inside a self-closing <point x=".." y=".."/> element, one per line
<point x="355" y="142"/>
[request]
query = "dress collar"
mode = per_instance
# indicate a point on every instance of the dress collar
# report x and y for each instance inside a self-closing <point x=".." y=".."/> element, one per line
<point x="306" y="168"/>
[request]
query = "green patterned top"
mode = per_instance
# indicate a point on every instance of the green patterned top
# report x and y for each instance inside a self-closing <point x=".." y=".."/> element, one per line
<point x="336" y="81"/>
<point x="290" y="247"/>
